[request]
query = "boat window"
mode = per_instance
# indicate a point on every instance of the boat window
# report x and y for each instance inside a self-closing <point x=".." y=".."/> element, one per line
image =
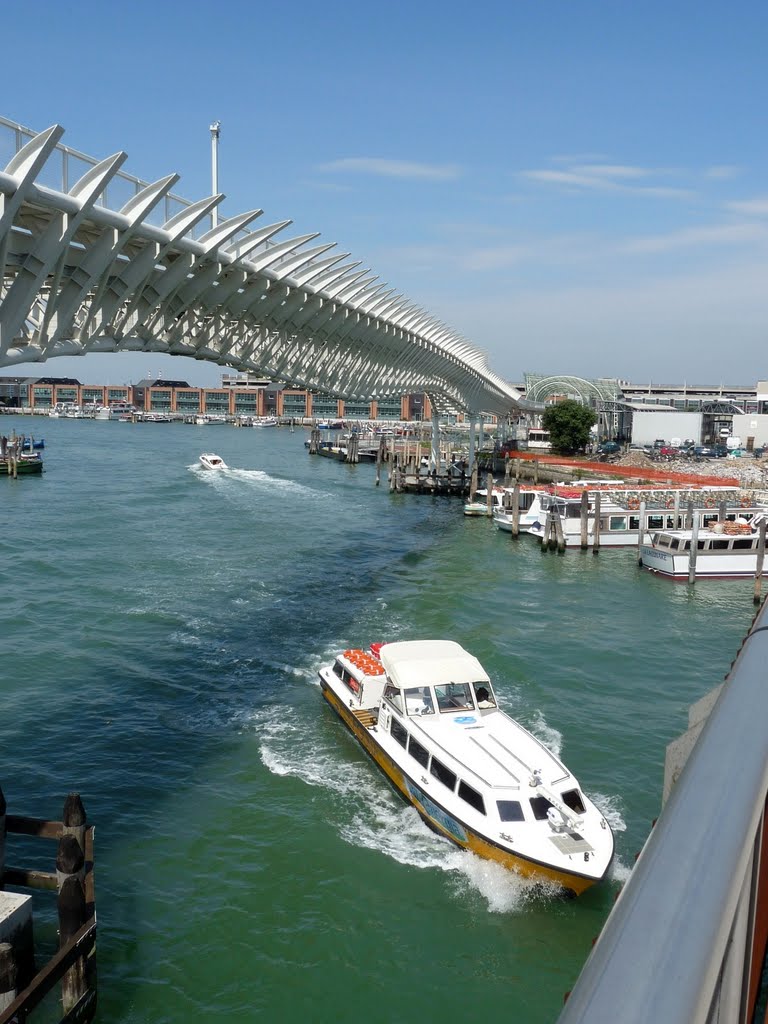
<point x="685" y="545"/>
<point x="671" y="524"/>
<point x="655" y="522"/>
<point x="445" y="775"/>
<point x="454" y="696"/>
<point x="510" y="810"/>
<point x="419" y="753"/>
<point x="399" y="732"/>
<point x="485" y="698"/>
<point x="540" y="805"/>
<point x="617" y="522"/>
<point x="674" y="543"/>
<point x="743" y="542"/>
<point x="700" y="545"/>
<point x="472" y="797"/>
<point x="721" y="544"/>
<point x="418" y="701"/>
<point x="573" y="800"/>
<point x="706" y="520"/>
<point x="634" y="522"/>
<point x="393" y="695"/>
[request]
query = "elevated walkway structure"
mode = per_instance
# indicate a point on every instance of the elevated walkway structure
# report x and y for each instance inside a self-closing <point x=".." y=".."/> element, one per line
<point x="96" y="260"/>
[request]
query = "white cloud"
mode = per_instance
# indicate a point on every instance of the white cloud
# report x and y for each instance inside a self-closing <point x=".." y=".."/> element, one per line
<point x="723" y="171"/>
<point x="750" y="206"/>
<point x="394" y="168"/>
<point x="718" y="234"/>
<point x="607" y="178"/>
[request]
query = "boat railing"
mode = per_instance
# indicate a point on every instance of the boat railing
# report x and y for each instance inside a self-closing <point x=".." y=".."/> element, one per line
<point x="686" y="939"/>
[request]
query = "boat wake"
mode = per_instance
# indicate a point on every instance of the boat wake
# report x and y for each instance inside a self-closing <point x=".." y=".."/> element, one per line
<point x="256" y="478"/>
<point x="368" y="814"/>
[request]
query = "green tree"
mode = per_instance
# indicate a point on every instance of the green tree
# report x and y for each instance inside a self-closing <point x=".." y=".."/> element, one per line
<point x="568" y="424"/>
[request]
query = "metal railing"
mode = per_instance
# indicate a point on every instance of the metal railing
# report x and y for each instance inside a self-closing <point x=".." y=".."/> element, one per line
<point x="685" y="942"/>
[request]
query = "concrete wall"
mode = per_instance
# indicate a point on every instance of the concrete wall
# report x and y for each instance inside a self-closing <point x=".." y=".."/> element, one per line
<point x="751" y="425"/>
<point x="648" y="426"/>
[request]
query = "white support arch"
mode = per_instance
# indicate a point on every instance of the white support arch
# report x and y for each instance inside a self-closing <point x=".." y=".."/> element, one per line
<point x="79" y="276"/>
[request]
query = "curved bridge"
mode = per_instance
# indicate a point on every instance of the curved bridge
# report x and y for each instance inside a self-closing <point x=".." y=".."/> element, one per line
<point x="85" y="271"/>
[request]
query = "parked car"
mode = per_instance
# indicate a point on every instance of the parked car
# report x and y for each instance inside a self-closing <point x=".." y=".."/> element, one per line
<point x="702" y="451"/>
<point x="608" y="448"/>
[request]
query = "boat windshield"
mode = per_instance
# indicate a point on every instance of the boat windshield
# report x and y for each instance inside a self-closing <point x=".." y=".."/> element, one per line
<point x="418" y="700"/>
<point x="454" y="697"/>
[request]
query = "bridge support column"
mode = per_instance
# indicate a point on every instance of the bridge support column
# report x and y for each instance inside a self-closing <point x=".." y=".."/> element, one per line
<point x="472" y="416"/>
<point x="435" y="456"/>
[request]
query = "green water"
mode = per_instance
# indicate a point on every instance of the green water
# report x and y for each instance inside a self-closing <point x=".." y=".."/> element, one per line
<point x="161" y="633"/>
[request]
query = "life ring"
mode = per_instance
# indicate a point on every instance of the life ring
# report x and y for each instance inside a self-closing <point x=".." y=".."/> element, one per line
<point x="709" y="502"/>
<point x="746" y="503"/>
<point x="670" y="502"/>
<point x="633" y="503"/>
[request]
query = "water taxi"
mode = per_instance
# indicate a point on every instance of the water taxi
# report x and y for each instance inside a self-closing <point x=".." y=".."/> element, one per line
<point x="726" y="550"/>
<point x="210" y="461"/>
<point x="426" y="712"/>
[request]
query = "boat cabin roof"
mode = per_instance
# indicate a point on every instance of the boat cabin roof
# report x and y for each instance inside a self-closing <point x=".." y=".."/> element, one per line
<point x="430" y="662"/>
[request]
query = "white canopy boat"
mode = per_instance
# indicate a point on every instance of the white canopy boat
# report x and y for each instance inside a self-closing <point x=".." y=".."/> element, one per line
<point x="723" y="551"/>
<point x="426" y="713"/>
<point x="210" y="461"/>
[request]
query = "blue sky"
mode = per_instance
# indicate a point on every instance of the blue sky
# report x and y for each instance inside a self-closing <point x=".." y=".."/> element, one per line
<point x="577" y="187"/>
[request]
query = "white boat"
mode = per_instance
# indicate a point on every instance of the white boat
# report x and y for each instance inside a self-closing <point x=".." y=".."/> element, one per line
<point x="723" y="551"/>
<point x="116" y="411"/>
<point x="210" y="461"/>
<point x="265" y="421"/>
<point x="426" y="712"/>
<point x="620" y="511"/>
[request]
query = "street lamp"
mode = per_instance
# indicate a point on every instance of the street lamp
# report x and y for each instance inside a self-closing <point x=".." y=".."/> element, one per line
<point x="215" y="129"/>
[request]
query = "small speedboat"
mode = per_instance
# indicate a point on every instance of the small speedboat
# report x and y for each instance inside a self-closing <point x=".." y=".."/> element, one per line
<point x="210" y="461"/>
<point x="426" y="712"/>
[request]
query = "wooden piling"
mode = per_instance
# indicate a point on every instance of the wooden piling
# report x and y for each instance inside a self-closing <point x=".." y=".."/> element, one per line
<point x="72" y="916"/>
<point x="689" y="515"/>
<point x="489" y="495"/>
<point x="676" y="510"/>
<point x="70" y="860"/>
<point x="547" y="531"/>
<point x="507" y="469"/>
<point x="559" y="535"/>
<point x="641" y="531"/>
<point x="378" y="464"/>
<point x="8" y="975"/>
<point x="517" y="470"/>
<point x="584" y="520"/>
<point x="535" y="471"/>
<point x="473" y="481"/>
<point x="760" y="561"/>
<point x="694" y="548"/>
<point x="2" y="837"/>
<point x="596" y="526"/>
<point x="74" y="820"/>
<point x="516" y="509"/>
<point x="721" y="511"/>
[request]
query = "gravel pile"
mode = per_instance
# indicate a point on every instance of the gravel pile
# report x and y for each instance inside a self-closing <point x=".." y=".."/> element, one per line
<point x="750" y="472"/>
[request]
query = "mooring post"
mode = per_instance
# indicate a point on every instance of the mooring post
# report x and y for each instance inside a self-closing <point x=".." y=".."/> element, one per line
<point x="8" y="975"/>
<point x="760" y="561"/>
<point x="2" y="837"/>
<point x="584" y="519"/>
<point x="71" y="907"/>
<point x="596" y="526"/>
<point x="74" y="820"/>
<point x="641" y="532"/>
<point x="517" y="469"/>
<point x="378" y="465"/>
<point x="507" y="469"/>
<point x="473" y="482"/>
<point x="559" y="535"/>
<point x="547" y="531"/>
<point x="694" y="547"/>
<point x="676" y="510"/>
<point x="721" y="511"/>
<point x="535" y="471"/>
<point x="489" y="494"/>
<point x="516" y="510"/>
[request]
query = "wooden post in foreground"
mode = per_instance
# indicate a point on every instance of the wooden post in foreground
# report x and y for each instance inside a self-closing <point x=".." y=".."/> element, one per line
<point x="516" y="510"/>
<point x="8" y="975"/>
<point x="378" y="465"/>
<point x="71" y="906"/>
<point x="489" y="493"/>
<point x="74" y="820"/>
<point x="473" y="482"/>
<point x="760" y="561"/>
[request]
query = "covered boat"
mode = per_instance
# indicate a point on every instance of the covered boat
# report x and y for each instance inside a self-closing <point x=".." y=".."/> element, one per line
<point x="426" y="712"/>
<point x="210" y="461"/>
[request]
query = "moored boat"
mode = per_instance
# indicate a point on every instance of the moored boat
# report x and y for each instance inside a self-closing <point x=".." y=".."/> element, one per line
<point x="724" y="550"/>
<point x="426" y="712"/>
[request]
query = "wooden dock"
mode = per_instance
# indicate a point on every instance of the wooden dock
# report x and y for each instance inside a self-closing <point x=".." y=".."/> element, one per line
<point x="24" y="986"/>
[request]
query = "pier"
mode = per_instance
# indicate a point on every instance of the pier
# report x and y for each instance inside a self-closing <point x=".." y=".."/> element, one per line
<point x="23" y="983"/>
